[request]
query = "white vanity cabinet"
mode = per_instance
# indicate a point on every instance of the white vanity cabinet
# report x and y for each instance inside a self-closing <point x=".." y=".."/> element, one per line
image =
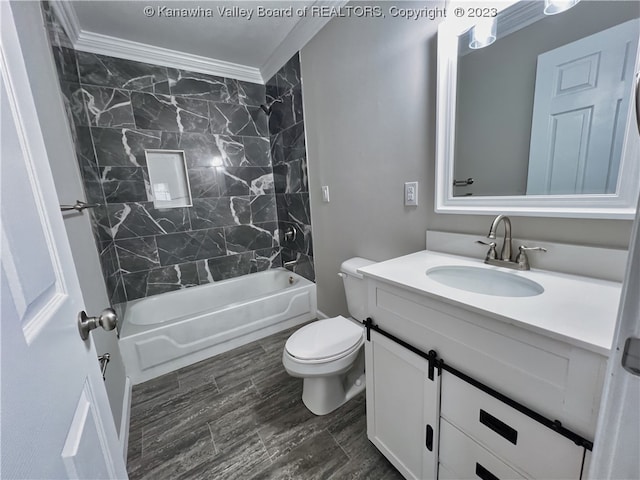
<point x="476" y="436"/>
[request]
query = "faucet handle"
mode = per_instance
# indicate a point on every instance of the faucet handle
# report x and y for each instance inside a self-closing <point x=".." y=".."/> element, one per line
<point x="491" y="254"/>
<point x="522" y="260"/>
<point x="524" y="248"/>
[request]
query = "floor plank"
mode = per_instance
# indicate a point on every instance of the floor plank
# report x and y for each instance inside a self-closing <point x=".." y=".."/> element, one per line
<point x="239" y="415"/>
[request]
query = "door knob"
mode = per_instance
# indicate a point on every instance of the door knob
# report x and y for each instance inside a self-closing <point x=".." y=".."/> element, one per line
<point x="107" y="320"/>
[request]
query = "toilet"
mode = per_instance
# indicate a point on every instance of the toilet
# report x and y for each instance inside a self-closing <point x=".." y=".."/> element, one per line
<point x="328" y="353"/>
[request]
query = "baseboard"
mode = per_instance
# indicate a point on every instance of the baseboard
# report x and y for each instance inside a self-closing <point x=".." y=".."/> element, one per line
<point x="125" y="420"/>
<point x="321" y="315"/>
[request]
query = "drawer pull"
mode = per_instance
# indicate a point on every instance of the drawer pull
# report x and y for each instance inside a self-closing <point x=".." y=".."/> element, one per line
<point x="429" y="439"/>
<point x="499" y="427"/>
<point x="484" y="474"/>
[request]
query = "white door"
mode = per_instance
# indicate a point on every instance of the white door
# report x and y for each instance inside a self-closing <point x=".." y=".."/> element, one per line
<point x="581" y="103"/>
<point x="617" y="442"/>
<point x="402" y="407"/>
<point x="54" y="413"/>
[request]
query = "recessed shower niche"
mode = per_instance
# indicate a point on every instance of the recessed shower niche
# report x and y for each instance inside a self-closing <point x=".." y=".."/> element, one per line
<point x="168" y="178"/>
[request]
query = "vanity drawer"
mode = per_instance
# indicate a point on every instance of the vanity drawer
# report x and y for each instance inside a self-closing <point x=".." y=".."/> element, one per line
<point x="461" y="457"/>
<point x="514" y="437"/>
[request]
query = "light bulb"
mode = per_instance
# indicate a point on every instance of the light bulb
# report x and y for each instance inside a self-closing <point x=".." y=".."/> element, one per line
<point x="483" y="33"/>
<point x="552" y="7"/>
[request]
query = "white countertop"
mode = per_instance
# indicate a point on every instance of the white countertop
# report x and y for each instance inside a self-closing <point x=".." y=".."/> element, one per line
<point x="581" y="311"/>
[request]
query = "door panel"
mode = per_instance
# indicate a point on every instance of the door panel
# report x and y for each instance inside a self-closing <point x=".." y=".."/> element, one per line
<point x="84" y="437"/>
<point x="615" y="453"/>
<point x="30" y="257"/>
<point x="56" y="420"/>
<point x="580" y="108"/>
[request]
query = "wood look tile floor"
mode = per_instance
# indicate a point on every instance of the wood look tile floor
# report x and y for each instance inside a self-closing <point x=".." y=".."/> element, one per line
<point x="239" y="415"/>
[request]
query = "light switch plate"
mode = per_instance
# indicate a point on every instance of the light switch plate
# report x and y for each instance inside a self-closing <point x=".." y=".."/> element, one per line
<point x="411" y="194"/>
<point x="325" y="193"/>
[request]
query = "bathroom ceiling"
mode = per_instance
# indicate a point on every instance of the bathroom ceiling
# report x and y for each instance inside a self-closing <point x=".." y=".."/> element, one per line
<point x="230" y="34"/>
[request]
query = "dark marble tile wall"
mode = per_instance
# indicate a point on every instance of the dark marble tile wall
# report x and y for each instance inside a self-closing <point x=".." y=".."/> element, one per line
<point x="289" y="156"/>
<point x="65" y="61"/>
<point x="118" y="108"/>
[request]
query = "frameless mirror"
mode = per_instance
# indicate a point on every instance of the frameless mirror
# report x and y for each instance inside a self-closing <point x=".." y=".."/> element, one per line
<point x="542" y="120"/>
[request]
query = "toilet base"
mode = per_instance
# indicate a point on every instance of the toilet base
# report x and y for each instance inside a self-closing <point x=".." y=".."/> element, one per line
<point x="322" y="395"/>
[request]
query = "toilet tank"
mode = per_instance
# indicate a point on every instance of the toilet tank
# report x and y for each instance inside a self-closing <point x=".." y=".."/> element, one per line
<point x="354" y="285"/>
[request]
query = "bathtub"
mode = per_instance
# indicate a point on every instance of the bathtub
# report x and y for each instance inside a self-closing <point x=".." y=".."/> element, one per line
<point x="165" y="332"/>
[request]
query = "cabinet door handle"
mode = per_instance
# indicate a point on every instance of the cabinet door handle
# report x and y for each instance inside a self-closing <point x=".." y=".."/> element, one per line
<point x="429" y="439"/>
<point x="484" y="474"/>
<point x="499" y="427"/>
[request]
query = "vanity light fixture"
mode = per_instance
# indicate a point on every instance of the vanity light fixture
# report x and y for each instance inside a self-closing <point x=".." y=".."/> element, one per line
<point x="551" y="7"/>
<point x="483" y="33"/>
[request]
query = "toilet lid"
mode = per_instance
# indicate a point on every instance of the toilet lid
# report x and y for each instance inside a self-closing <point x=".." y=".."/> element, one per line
<point x="324" y="339"/>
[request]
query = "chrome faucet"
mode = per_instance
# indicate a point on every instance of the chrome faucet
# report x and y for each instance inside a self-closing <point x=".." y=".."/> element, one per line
<point x="521" y="262"/>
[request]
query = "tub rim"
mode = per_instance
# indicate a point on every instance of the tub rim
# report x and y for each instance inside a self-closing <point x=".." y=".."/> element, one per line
<point x="126" y="321"/>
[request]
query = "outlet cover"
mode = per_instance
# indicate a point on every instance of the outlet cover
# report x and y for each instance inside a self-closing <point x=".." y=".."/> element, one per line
<point x="411" y="194"/>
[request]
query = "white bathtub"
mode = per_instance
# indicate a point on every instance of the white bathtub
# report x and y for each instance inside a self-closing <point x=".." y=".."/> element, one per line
<point x="165" y="332"/>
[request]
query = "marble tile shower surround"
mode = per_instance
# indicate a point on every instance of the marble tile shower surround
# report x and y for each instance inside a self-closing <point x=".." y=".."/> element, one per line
<point x="118" y="108"/>
<point x="289" y="156"/>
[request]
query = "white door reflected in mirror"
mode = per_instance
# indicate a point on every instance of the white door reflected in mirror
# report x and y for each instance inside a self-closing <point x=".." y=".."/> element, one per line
<point x="579" y="108"/>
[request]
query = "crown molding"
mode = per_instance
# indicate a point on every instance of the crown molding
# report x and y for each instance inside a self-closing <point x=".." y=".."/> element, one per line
<point x="141" y="52"/>
<point x="297" y="38"/>
<point x="116" y="47"/>
<point x="101" y="44"/>
<point x="67" y="18"/>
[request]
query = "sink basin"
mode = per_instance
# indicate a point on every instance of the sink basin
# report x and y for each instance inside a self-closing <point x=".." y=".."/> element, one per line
<point x="485" y="281"/>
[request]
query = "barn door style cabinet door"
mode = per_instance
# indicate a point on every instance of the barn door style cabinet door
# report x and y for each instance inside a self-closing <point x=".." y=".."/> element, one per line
<point x="402" y="407"/>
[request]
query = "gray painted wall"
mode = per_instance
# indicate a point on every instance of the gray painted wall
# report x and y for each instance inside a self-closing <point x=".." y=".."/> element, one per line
<point x="368" y="89"/>
<point x="370" y="101"/>
<point x="57" y="136"/>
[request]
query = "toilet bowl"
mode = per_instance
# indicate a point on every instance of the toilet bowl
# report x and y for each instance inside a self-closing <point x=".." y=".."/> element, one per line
<point x="328" y="354"/>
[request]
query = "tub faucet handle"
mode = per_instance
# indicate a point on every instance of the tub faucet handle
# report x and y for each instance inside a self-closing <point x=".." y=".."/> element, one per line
<point x="290" y="234"/>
